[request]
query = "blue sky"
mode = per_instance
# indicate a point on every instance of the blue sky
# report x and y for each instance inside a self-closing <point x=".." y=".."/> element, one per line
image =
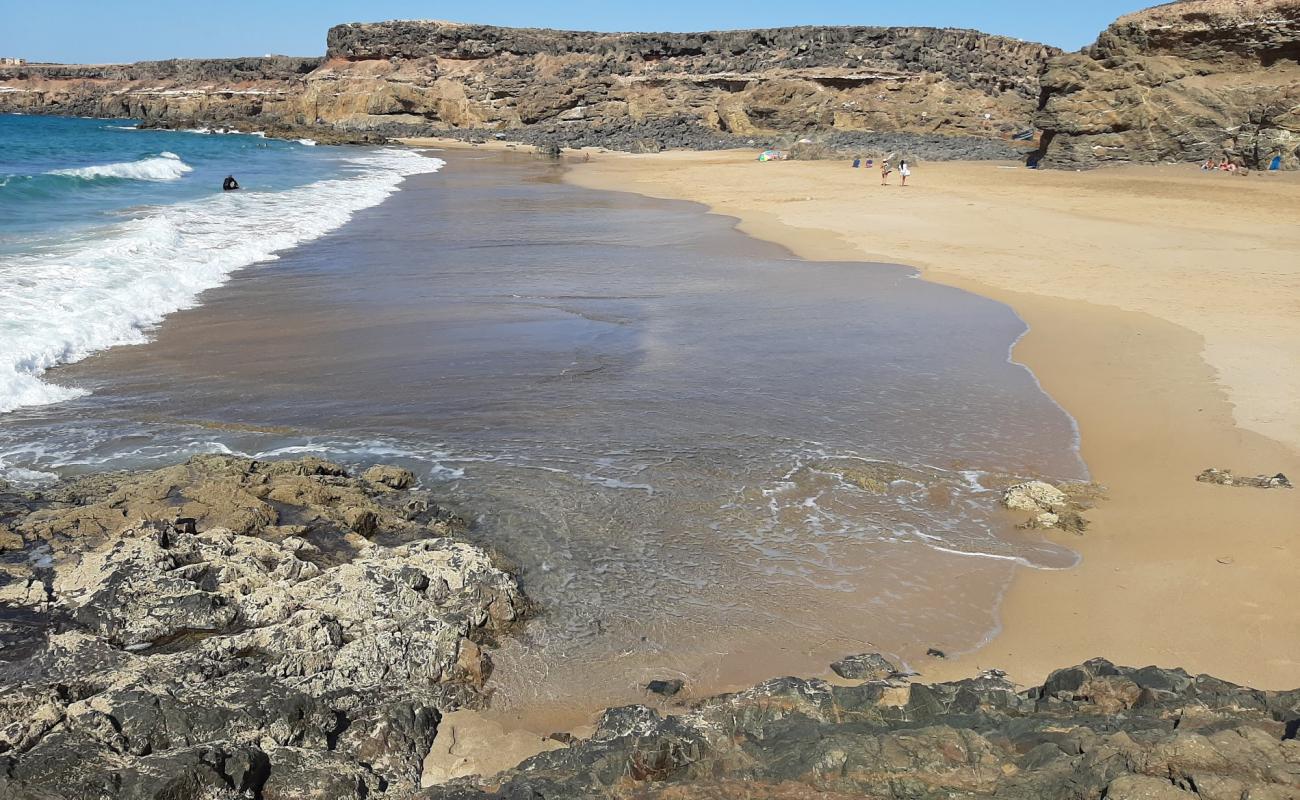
<point x="98" y="31"/>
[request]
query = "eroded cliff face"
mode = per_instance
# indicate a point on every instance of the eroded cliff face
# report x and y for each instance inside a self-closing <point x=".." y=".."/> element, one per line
<point x="790" y="79"/>
<point x="1184" y="81"/>
<point x="178" y="92"/>
<point x="419" y="77"/>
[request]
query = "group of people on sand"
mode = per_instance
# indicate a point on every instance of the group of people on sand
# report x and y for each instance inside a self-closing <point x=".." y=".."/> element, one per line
<point x="886" y="169"/>
<point x="1227" y="165"/>
<point x="904" y="172"/>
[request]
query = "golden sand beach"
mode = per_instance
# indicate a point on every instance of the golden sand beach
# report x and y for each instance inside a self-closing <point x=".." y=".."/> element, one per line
<point x="1164" y="308"/>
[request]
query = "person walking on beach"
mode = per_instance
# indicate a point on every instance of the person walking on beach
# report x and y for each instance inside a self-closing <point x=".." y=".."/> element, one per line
<point x="885" y="169"/>
<point x="904" y="171"/>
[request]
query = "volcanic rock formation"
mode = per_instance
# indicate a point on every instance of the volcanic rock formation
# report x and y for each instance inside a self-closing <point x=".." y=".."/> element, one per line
<point x="701" y="89"/>
<point x="1184" y="81"/>
<point x="1180" y="82"/>
<point x="230" y="628"/>
<point x="1090" y="732"/>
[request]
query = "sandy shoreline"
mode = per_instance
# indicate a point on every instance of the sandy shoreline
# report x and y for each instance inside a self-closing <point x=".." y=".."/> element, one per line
<point x="1174" y="572"/>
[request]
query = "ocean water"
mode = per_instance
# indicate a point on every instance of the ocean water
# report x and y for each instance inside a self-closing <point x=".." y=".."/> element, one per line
<point x="105" y="229"/>
<point x="655" y="418"/>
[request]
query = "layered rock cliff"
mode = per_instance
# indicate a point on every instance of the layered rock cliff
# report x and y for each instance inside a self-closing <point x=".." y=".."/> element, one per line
<point x="181" y="92"/>
<point x="792" y="79"/>
<point x="1184" y="81"/>
<point x="421" y="77"/>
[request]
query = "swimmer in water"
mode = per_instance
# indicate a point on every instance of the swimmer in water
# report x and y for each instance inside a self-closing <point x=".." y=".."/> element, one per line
<point x="229" y="184"/>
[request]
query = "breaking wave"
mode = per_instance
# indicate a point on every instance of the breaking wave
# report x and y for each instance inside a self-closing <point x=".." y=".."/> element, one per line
<point x="61" y="305"/>
<point x="163" y="167"/>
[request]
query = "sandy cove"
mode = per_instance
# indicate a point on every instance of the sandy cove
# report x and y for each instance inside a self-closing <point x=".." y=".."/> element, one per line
<point x="1164" y="307"/>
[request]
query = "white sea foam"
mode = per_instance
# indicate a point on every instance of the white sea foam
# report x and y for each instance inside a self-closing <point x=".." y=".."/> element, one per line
<point x="60" y="306"/>
<point x="163" y="167"/>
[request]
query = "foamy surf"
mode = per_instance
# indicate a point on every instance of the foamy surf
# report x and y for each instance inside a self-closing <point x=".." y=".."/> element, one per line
<point x="163" y="167"/>
<point x="59" y="306"/>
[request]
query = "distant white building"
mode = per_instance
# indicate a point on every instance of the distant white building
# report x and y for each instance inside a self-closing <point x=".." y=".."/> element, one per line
<point x="12" y="62"/>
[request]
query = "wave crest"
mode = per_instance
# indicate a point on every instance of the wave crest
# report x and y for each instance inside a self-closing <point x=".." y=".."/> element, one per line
<point x="58" y="307"/>
<point x="162" y="167"/>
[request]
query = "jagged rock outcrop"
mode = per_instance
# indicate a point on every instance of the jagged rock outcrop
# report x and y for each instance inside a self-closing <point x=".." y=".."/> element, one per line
<point x="1184" y="81"/>
<point x="420" y="77"/>
<point x="1052" y="506"/>
<point x="232" y="628"/>
<point x="1090" y="732"/>
<point x="1224" y="477"/>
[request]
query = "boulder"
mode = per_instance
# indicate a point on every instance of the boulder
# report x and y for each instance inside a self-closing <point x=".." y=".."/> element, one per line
<point x="392" y="477"/>
<point x="665" y="688"/>
<point x="9" y="540"/>
<point x="1033" y="496"/>
<point x="865" y="667"/>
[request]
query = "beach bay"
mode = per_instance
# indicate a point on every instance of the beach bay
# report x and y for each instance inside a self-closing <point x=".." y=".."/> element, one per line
<point x="1162" y="304"/>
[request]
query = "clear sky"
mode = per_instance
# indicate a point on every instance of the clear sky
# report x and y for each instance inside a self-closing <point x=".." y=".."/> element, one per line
<point x="99" y="31"/>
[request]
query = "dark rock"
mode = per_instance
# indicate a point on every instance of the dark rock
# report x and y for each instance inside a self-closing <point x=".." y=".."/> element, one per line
<point x="932" y="652"/>
<point x="665" y="688"/>
<point x="867" y="667"/>
<point x="792" y="738"/>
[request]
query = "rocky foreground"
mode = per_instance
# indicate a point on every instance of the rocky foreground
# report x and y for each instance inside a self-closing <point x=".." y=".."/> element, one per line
<point x="234" y="628"/>
<point x="1090" y="732"/>
<point x="229" y="628"/>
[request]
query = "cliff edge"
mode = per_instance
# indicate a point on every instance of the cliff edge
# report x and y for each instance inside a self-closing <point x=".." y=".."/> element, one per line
<point x="674" y="89"/>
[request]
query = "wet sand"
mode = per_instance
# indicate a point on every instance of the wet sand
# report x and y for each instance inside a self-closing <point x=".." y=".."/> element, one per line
<point x="1164" y="314"/>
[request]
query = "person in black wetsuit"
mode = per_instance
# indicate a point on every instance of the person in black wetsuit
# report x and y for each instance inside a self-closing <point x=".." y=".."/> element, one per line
<point x="229" y="184"/>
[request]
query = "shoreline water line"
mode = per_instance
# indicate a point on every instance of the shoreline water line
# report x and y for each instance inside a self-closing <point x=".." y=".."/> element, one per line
<point x="627" y="304"/>
<point x="1151" y="413"/>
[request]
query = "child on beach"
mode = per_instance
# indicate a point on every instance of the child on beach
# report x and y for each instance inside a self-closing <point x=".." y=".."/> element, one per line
<point x="885" y="169"/>
<point x="904" y="171"/>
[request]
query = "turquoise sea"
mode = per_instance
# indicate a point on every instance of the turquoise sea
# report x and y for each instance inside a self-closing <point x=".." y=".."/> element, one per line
<point x="105" y="229"/>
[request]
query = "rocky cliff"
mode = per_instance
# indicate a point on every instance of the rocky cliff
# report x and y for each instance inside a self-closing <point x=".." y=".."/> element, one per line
<point x="1183" y="81"/>
<point x="422" y="77"/>
<point x="177" y="93"/>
